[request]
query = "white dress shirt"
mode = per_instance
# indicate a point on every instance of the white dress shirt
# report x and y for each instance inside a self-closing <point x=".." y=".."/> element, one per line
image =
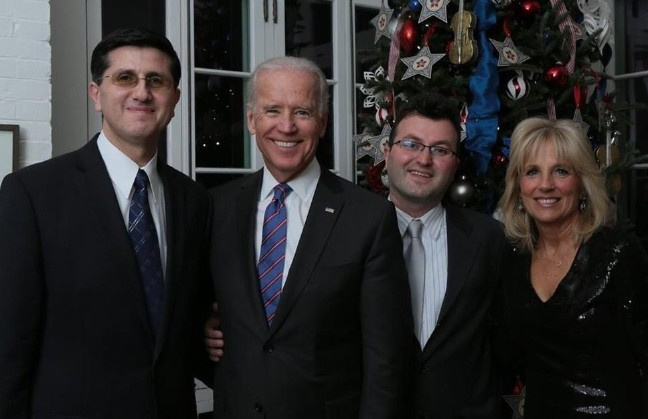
<point x="122" y="171"/>
<point x="435" y="242"/>
<point x="297" y="203"/>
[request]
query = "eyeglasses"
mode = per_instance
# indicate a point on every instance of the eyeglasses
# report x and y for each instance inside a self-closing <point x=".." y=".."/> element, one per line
<point x="131" y="80"/>
<point x="414" y="147"/>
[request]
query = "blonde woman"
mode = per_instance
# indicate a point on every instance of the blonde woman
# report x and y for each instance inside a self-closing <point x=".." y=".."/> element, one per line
<point x="575" y="291"/>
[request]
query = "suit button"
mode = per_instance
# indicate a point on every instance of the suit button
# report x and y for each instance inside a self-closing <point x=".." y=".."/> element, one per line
<point x="268" y="347"/>
<point x="424" y="370"/>
<point x="258" y="407"/>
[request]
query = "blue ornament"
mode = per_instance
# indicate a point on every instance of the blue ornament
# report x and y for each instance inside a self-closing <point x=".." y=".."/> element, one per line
<point x="415" y="5"/>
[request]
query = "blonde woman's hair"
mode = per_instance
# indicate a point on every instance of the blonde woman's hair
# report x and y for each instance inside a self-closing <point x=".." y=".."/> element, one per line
<point x="571" y="145"/>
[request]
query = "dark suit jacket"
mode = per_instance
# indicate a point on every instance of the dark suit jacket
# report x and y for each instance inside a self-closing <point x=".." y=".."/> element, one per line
<point x="339" y="343"/>
<point x="454" y="370"/>
<point x="74" y="335"/>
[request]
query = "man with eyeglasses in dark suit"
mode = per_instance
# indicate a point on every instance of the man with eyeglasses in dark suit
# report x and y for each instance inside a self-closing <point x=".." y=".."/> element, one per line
<point x="102" y="265"/>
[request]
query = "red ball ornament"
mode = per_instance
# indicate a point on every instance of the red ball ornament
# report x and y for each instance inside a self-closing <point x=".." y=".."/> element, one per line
<point x="374" y="175"/>
<point x="527" y="9"/>
<point x="557" y="75"/>
<point x="408" y="36"/>
<point x="499" y="161"/>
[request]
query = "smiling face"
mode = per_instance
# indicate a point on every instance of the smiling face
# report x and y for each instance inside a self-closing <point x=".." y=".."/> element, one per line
<point x="134" y="117"/>
<point x="284" y="119"/>
<point x="550" y="189"/>
<point x="418" y="181"/>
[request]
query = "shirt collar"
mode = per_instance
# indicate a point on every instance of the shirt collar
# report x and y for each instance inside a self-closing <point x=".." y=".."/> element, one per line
<point x="433" y="220"/>
<point x="303" y="184"/>
<point x="122" y="170"/>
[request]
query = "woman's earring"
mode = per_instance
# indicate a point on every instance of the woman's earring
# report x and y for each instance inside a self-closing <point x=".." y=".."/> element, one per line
<point x="520" y="207"/>
<point x="582" y="204"/>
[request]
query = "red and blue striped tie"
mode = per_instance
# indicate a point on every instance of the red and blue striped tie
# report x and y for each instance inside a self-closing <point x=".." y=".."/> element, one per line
<point x="273" y="250"/>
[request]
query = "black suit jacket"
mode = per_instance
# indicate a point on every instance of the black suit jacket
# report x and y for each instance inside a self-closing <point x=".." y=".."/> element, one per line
<point x="454" y="374"/>
<point x="74" y="335"/>
<point x="340" y="343"/>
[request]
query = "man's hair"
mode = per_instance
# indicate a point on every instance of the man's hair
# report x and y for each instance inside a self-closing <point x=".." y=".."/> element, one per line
<point x="291" y="63"/>
<point x="430" y="105"/>
<point x="136" y="37"/>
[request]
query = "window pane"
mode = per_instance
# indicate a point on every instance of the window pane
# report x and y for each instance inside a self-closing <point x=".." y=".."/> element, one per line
<point x="364" y="41"/>
<point x="221" y="34"/>
<point x="209" y="180"/>
<point x="308" y="32"/>
<point x="221" y="136"/>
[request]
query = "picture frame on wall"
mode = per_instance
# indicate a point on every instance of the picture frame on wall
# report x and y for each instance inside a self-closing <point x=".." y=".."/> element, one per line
<point x="9" y="135"/>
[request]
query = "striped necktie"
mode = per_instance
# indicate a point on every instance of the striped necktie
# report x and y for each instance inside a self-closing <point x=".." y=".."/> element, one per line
<point x="273" y="250"/>
<point x="145" y="242"/>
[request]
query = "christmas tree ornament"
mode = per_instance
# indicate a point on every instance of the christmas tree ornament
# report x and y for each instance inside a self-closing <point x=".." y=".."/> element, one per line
<point x="578" y="118"/>
<point x="463" y="49"/>
<point x="463" y="119"/>
<point x="414" y="5"/>
<point x="462" y="191"/>
<point x="516" y="402"/>
<point x="381" y="23"/>
<point x="364" y="147"/>
<point x="508" y="53"/>
<point x="502" y="3"/>
<point x="372" y="96"/>
<point x="527" y="10"/>
<point x="421" y="63"/>
<point x="374" y="176"/>
<point x="597" y="18"/>
<point x="557" y="75"/>
<point x="427" y="29"/>
<point x="381" y="116"/>
<point x="379" y="143"/>
<point x="436" y="8"/>
<point x="408" y="36"/>
<point x="517" y="88"/>
<point x="499" y="161"/>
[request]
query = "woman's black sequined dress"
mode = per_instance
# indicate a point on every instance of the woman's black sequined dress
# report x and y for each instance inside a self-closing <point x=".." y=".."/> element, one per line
<point x="582" y="351"/>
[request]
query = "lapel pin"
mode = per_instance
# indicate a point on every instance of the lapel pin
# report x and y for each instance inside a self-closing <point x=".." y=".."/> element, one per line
<point x="329" y="210"/>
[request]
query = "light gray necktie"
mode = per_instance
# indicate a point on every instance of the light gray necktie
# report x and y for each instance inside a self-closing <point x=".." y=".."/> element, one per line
<point x="415" y="259"/>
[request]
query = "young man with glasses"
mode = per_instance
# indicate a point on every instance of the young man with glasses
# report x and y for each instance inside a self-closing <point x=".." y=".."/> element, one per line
<point x="102" y="258"/>
<point x="453" y="258"/>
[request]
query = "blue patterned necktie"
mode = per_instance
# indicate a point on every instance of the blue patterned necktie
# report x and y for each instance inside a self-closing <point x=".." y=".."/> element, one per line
<point x="145" y="241"/>
<point x="273" y="250"/>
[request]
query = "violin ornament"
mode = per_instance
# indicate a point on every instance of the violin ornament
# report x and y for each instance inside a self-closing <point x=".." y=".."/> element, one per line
<point x="463" y="49"/>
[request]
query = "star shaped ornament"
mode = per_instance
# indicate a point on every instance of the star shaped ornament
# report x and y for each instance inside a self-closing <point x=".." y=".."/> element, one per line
<point x="381" y="22"/>
<point x="421" y="63"/>
<point x="516" y="402"/>
<point x="380" y="143"/>
<point x="508" y="53"/>
<point x="364" y="147"/>
<point x="437" y="8"/>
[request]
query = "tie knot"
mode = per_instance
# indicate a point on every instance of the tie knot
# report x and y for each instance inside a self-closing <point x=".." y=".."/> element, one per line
<point x="141" y="180"/>
<point x="414" y="228"/>
<point x="281" y="191"/>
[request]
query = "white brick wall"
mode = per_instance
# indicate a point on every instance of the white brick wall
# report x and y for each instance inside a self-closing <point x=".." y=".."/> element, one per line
<point x="25" y="76"/>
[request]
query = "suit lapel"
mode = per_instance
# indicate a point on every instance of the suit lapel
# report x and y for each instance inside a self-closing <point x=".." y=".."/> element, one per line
<point x="461" y="251"/>
<point x="324" y="211"/>
<point x="103" y="204"/>
<point x="244" y="213"/>
<point x="175" y="211"/>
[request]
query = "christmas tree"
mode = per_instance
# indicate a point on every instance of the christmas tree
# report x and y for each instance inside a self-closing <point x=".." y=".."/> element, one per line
<point x="501" y="61"/>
